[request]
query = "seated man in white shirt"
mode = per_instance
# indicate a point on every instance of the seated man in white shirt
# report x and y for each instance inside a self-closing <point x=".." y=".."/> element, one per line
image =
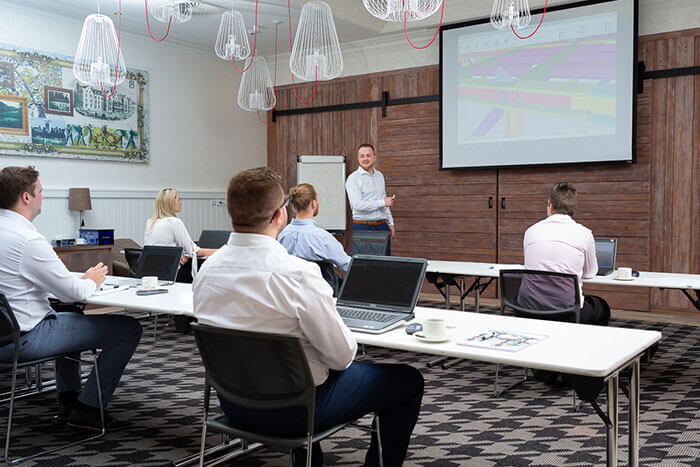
<point x="252" y="283"/>
<point x="560" y="244"/>
<point x="302" y="238"/>
<point x="31" y="272"/>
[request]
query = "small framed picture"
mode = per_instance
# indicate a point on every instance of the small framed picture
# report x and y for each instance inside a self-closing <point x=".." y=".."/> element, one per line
<point x="7" y="75"/>
<point x="58" y="101"/>
<point x="13" y="115"/>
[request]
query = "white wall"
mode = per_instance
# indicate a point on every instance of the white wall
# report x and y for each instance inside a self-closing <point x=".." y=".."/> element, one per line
<point x="392" y="51"/>
<point x="199" y="137"/>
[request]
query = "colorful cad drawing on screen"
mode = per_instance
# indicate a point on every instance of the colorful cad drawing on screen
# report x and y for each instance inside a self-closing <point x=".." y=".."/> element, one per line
<point x="503" y="340"/>
<point x="560" y="83"/>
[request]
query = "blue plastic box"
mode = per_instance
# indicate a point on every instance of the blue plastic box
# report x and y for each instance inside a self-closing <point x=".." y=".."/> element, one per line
<point x="98" y="236"/>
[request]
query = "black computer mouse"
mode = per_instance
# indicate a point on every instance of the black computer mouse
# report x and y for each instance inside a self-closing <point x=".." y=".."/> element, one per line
<point x="413" y="328"/>
<point x="635" y="273"/>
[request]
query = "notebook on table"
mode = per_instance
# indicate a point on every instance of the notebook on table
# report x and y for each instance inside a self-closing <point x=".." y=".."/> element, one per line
<point x="606" y="254"/>
<point x="380" y="292"/>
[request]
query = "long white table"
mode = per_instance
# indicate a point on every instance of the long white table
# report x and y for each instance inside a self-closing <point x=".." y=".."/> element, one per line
<point x="485" y="273"/>
<point x="594" y="351"/>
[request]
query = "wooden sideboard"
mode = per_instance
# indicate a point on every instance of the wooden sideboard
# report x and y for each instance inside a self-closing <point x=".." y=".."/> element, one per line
<point x="80" y="258"/>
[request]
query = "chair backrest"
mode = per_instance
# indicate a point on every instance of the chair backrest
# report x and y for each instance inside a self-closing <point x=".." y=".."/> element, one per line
<point x="9" y="328"/>
<point x="256" y="370"/>
<point x="213" y="238"/>
<point x="540" y="294"/>
<point x="133" y="255"/>
<point x="328" y="273"/>
<point x="161" y="261"/>
<point x="369" y="242"/>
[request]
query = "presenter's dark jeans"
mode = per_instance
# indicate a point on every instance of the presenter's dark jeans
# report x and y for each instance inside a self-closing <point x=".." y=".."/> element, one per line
<point x="394" y="392"/>
<point x="59" y="333"/>
<point x="382" y="227"/>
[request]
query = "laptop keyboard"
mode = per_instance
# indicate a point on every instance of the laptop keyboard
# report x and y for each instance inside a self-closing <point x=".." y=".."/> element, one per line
<point x="365" y="315"/>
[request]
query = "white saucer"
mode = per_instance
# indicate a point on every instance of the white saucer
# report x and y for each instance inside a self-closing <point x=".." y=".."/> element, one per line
<point x="433" y="340"/>
<point x="624" y="278"/>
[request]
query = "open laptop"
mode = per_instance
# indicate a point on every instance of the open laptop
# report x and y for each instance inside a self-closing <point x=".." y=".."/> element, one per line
<point x="160" y="261"/>
<point x="213" y="238"/>
<point x="606" y="254"/>
<point x="380" y="292"/>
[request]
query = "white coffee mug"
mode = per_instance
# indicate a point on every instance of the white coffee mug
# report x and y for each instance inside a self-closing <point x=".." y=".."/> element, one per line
<point x="624" y="273"/>
<point x="149" y="282"/>
<point x="434" y="328"/>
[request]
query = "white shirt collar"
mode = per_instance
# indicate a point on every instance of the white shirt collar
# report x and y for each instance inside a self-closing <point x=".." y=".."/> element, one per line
<point x="254" y="239"/>
<point x="14" y="216"/>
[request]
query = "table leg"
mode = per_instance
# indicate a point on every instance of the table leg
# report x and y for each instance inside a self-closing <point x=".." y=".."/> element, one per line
<point x="476" y="294"/>
<point x="613" y="416"/>
<point x="634" y="415"/>
<point x="461" y="293"/>
<point x="447" y="296"/>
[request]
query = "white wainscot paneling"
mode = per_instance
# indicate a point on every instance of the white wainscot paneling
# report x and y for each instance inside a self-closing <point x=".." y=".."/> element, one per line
<point x="127" y="211"/>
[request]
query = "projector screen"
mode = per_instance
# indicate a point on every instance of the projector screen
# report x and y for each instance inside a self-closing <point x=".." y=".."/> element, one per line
<point x="565" y="95"/>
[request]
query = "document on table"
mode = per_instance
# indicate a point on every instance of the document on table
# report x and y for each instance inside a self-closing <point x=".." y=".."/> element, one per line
<point x="107" y="289"/>
<point x="503" y="340"/>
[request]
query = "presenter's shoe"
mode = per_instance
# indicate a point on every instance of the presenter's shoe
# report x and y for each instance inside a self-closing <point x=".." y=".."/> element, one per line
<point x="90" y="420"/>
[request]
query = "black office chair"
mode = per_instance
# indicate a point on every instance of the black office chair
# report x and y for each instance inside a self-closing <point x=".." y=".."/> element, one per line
<point x="259" y="371"/>
<point x="10" y="334"/>
<point x="369" y="242"/>
<point x="329" y="275"/>
<point x="133" y="255"/>
<point x="546" y="295"/>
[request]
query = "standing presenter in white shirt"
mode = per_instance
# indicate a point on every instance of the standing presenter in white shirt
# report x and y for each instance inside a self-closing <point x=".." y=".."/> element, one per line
<point x="252" y="283"/>
<point x="30" y="272"/>
<point x="367" y="195"/>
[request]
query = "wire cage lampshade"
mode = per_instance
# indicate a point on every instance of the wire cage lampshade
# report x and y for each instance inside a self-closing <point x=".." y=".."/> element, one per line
<point x="232" y="40"/>
<point x="179" y="10"/>
<point x="316" y="51"/>
<point x="393" y="10"/>
<point x="507" y="13"/>
<point x="98" y="59"/>
<point x="256" y="91"/>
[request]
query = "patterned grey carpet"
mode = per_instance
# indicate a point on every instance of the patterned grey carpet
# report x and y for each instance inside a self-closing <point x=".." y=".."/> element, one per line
<point x="461" y="422"/>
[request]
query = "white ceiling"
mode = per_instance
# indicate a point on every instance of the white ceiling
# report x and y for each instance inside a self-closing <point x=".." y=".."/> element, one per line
<point x="352" y="21"/>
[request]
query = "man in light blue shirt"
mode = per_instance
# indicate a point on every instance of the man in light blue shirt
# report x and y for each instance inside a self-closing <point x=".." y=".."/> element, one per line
<point x="303" y="239"/>
<point x="367" y="195"/>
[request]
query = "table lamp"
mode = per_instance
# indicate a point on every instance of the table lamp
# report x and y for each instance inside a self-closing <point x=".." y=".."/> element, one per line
<point x="79" y="200"/>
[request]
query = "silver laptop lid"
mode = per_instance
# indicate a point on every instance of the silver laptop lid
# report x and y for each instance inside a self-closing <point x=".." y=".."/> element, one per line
<point x="390" y="283"/>
<point x="606" y="253"/>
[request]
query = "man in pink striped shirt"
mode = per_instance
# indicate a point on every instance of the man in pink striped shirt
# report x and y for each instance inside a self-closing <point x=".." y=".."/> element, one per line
<point x="560" y="244"/>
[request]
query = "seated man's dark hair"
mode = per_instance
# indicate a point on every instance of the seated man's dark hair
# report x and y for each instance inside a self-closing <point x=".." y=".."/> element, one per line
<point x="563" y="198"/>
<point x="252" y="198"/>
<point x="13" y="182"/>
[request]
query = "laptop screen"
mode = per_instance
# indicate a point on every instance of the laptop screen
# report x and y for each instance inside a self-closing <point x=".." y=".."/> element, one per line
<point x="213" y="238"/>
<point x="160" y="261"/>
<point x="383" y="281"/>
<point x="605" y="249"/>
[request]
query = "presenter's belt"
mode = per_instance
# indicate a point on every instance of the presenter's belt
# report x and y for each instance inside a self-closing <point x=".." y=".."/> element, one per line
<point x="379" y="222"/>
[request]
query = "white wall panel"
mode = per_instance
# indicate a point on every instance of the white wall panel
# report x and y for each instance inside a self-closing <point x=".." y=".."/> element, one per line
<point x="127" y="211"/>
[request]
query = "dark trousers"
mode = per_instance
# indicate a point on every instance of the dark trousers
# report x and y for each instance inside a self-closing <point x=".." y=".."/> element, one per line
<point x="394" y="392"/>
<point x="595" y="310"/>
<point x="383" y="227"/>
<point x="58" y="333"/>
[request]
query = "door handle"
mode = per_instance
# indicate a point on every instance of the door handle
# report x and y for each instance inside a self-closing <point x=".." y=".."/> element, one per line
<point x="490" y="202"/>
<point x="503" y="202"/>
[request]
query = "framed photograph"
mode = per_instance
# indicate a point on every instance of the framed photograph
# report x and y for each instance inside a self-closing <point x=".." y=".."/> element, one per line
<point x="7" y="75"/>
<point x="13" y="115"/>
<point x="58" y="101"/>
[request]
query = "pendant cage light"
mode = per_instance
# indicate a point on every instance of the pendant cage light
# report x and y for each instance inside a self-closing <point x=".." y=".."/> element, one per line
<point x="256" y="91"/>
<point x="507" y="13"/>
<point x="232" y="40"/>
<point x="393" y="10"/>
<point x="179" y="10"/>
<point x="316" y="51"/>
<point x="98" y="59"/>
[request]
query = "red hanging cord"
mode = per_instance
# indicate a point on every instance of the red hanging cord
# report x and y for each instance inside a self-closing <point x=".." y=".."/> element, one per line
<point x="116" y="67"/>
<point x="255" y="38"/>
<point x="148" y="24"/>
<point x="538" y="26"/>
<point x="289" y="11"/>
<point x="405" y="27"/>
<point x="274" y="81"/>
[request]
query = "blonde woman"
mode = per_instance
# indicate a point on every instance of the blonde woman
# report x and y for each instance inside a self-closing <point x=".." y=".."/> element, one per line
<point x="165" y="229"/>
